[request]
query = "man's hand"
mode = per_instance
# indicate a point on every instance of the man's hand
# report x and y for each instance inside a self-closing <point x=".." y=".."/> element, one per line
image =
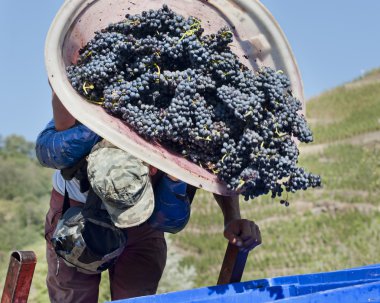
<point x="243" y="233"/>
<point x="240" y="232"/>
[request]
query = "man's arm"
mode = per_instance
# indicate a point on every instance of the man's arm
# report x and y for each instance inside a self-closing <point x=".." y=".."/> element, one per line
<point x="229" y="206"/>
<point x="63" y="143"/>
<point x="62" y="118"/>
<point x="241" y="232"/>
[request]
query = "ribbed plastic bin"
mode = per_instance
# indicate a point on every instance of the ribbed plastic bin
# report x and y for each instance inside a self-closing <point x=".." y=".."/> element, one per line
<point x="259" y="41"/>
<point x="355" y="285"/>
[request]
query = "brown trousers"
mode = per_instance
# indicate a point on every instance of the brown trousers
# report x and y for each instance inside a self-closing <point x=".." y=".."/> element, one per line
<point x="136" y="272"/>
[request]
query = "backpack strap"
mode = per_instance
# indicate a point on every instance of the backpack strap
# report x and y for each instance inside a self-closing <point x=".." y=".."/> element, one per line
<point x="69" y="172"/>
<point x="190" y="191"/>
<point x="79" y="171"/>
<point x="93" y="201"/>
<point x="66" y="202"/>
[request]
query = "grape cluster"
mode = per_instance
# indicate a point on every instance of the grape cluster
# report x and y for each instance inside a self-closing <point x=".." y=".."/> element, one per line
<point x="173" y="84"/>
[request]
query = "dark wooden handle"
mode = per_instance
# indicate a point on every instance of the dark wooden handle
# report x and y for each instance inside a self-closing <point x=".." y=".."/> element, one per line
<point x="233" y="265"/>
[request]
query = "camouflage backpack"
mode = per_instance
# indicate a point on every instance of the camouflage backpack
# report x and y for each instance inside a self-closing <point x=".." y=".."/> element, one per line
<point x="86" y="238"/>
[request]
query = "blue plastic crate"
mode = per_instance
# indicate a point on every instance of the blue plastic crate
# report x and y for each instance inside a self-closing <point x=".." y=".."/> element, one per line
<point x="356" y="285"/>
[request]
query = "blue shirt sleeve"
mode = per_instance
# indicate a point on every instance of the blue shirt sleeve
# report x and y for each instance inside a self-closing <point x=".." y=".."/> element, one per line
<point x="61" y="149"/>
<point x="172" y="207"/>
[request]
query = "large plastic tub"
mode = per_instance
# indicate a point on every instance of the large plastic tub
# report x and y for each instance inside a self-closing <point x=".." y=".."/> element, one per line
<point x="256" y="33"/>
<point x="356" y="285"/>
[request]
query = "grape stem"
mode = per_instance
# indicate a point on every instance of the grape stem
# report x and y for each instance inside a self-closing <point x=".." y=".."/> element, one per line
<point x="87" y="86"/>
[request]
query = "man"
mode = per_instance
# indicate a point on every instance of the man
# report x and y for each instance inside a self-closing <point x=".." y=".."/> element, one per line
<point x="138" y="269"/>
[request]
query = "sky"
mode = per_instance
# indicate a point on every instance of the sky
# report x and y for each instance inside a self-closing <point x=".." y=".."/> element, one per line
<point x="334" y="41"/>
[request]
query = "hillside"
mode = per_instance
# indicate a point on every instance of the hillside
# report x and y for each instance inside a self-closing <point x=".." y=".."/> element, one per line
<point x="334" y="227"/>
<point x="346" y="111"/>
